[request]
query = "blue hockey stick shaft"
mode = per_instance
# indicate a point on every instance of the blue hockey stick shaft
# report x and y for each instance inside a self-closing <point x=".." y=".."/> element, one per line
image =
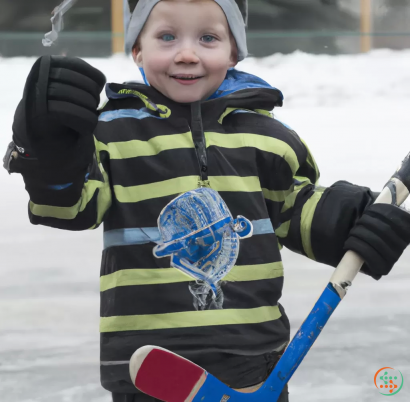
<point x="301" y="343"/>
<point x="214" y="391"/>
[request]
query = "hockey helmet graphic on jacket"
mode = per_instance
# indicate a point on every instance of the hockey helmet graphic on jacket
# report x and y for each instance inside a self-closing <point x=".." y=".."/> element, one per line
<point x="201" y="236"/>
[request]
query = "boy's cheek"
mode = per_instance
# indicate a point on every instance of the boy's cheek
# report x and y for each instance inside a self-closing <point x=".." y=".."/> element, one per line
<point x="217" y="67"/>
<point x="156" y="64"/>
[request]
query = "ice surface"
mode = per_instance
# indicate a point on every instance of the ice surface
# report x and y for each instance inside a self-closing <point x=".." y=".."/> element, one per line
<point x="353" y="111"/>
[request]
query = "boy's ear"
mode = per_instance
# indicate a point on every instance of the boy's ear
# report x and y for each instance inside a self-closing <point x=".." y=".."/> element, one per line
<point x="137" y="56"/>
<point x="233" y="60"/>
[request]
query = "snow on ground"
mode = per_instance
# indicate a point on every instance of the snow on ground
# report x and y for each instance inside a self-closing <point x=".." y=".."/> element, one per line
<point x="353" y="111"/>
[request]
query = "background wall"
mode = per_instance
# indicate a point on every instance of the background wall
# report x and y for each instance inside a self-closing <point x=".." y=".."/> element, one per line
<point x="313" y="26"/>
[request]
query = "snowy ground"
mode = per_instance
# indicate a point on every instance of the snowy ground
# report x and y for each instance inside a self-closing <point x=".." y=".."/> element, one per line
<point x="353" y="111"/>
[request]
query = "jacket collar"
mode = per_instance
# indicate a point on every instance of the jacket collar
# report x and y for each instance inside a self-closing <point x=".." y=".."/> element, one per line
<point x="239" y="90"/>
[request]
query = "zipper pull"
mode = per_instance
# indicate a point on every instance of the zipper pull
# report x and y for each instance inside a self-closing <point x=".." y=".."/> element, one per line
<point x="198" y="137"/>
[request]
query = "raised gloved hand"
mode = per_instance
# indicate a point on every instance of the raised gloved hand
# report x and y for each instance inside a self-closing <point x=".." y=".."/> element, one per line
<point x="380" y="236"/>
<point x="54" y="122"/>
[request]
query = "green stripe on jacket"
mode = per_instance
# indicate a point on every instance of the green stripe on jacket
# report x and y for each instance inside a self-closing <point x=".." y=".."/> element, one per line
<point x="183" y="184"/>
<point x="262" y="142"/>
<point x="136" y="277"/>
<point x="189" y="319"/>
<point x="69" y="213"/>
<point x="306" y="219"/>
<point x="137" y="148"/>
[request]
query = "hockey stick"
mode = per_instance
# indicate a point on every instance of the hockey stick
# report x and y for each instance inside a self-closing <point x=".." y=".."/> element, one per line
<point x="57" y="23"/>
<point x="169" y="377"/>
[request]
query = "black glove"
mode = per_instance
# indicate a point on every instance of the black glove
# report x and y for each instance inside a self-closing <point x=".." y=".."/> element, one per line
<point x="380" y="236"/>
<point x="54" y="122"/>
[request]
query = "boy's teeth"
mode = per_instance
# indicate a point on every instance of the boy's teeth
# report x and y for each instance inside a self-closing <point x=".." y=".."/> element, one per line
<point x="185" y="77"/>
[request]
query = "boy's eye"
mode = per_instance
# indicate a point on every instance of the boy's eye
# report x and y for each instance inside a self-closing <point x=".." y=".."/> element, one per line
<point x="167" y="37"/>
<point x="208" y="38"/>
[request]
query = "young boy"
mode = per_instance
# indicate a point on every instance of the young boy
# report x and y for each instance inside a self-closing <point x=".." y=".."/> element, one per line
<point x="196" y="122"/>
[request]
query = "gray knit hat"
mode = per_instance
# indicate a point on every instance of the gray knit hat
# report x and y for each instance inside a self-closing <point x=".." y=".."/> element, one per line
<point x="236" y="12"/>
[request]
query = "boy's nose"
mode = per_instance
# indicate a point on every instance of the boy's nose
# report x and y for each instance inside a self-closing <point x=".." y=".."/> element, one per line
<point x="187" y="56"/>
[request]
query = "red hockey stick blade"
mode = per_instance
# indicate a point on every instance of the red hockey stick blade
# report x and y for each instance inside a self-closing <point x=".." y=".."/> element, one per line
<point x="165" y="375"/>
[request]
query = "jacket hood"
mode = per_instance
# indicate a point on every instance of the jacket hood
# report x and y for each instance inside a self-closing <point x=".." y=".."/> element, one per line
<point x="239" y="90"/>
<point x="236" y="80"/>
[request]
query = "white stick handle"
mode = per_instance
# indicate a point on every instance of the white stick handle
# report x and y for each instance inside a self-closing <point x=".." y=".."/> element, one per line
<point x="395" y="192"/>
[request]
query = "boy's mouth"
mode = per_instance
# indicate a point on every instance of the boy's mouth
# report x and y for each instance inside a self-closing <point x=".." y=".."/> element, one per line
<point x="186" y="77"/>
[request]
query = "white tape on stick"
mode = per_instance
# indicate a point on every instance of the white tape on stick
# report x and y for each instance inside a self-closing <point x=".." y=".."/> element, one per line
<point x="57" y="23"/>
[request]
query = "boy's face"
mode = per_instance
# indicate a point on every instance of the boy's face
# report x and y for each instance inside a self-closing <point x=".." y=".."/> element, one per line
<point x="186" y="49"/>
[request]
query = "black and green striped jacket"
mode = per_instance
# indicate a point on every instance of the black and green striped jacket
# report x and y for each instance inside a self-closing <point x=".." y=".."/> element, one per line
<point x="148" y="151"/>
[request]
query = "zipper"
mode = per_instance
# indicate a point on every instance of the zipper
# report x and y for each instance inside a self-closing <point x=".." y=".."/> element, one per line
<point x="198" y="138"/>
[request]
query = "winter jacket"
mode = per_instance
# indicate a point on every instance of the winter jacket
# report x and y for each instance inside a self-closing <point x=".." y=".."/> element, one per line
<point x="149" y="149"/>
